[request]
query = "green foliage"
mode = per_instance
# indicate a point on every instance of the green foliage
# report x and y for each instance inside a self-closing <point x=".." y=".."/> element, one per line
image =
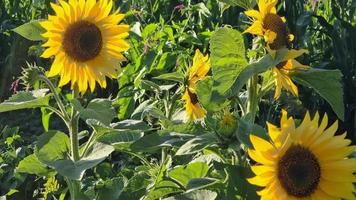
<point x="24" y="100"/>
<point x="31" y="31"/>
<point x="327" y="83"/>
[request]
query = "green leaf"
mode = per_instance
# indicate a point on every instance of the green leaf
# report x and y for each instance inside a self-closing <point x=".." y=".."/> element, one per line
<point x="194" y="195"/>
<point x="163" y="188"/>
<point x="75" y="170"/>
<point x="247" y="4"/>
<point x="154" y="141"/>
<point x="185" y="173"/>
<point x="112" y="188"/>
<point x="327" y="83"/>
<point x="204" y="92"/>
<point x="46" y="116"/>
<point x="245" y="128"/>
<point x="131" y="124"/>
<point x="174" y="76"/>
<point x="200" y="183"/>
<point x="52" y="146"/>
<point x="31" y="31"/>
<point x="227" y="58"/>
<point x="120" y="139"/>
<point x="24" y="100"/>
<point x="32" y="165"/>
<point x="197" y="144"/>
<point x="236" y="184"/>
<point x="99" y="109"/>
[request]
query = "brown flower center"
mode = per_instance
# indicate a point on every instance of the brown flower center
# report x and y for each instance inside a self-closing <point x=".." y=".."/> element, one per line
<point x="82" y="41"/>
<point x="299" y="171"/>
<point x="281" y="65"/>
<point x="193" y="97"/>
<point x="274" y="23"/>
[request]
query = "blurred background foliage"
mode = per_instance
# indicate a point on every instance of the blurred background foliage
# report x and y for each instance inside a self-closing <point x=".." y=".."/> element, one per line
<point x="164" y="35"/>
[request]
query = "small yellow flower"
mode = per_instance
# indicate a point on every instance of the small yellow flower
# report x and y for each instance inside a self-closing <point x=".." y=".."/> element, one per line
<point x="304" y="162"/>
<point x="86" y="41"/>
<point x="270" y="26"/>
<point x="198" y="71"/>
<point x="281" y="72"/>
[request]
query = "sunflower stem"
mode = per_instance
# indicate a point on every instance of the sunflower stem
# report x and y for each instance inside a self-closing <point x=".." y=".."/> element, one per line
<point x="56" y="96"/>
<point x="73" y="126"/>
<point x="252" y="92"/>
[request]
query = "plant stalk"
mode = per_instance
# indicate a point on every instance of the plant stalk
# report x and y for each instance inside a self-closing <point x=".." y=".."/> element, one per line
<point x="252" y="102"/>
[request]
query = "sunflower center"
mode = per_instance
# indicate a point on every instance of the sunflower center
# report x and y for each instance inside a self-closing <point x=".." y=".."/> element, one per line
<point x="82" y="41"/>
<point x="193" y="97"/>
<point x="275" y="25"/>
<point x="299" y="171"/>
<point x="281" y="65"/>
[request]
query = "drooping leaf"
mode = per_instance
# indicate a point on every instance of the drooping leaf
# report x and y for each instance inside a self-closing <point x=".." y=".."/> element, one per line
<point x="31" y="31"/>
<point x="24" y="100"/>
<point x="327" y="83"/>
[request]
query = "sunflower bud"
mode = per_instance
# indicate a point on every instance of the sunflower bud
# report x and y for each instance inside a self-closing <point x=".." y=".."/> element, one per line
<point x="227" y="124"/>
<point x="30" y="74"/>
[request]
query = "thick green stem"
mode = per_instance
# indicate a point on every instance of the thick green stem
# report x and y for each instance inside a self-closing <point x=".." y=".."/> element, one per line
<point x="252" y="102"/>
<point x="74" y="130"/>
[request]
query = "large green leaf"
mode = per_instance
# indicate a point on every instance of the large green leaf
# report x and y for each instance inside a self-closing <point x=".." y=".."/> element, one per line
<point x="227" y="58"/>
<point x="75" y="170"/>
<point x="31" y="31"/>
<point x="24" y="100"/>
<point x="99" y="109"/>
<point x="230" y="68"/>
<point x="184" y="174"/>
<point x="194" y="195"/>
<point x="52" y="149"/>
<point x="32" y="165"/>
<point x="52" y="146"/>
<point x="327" y="83"/>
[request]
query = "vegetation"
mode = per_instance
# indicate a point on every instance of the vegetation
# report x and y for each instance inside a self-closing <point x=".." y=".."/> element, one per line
<point x="177" y="99"/>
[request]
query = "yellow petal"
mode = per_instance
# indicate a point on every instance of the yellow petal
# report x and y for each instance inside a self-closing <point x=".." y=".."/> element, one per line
<point x="256" y="29"/>
<point x="253" y="13"/>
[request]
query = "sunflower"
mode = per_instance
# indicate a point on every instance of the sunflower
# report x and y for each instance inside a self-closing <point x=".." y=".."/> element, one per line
<point x="198" y="71"/>
<point x="306" y="162"/>
<point x="267" y="24"/>
<point x="281" y="72"/>
<point x="86" y="41"/>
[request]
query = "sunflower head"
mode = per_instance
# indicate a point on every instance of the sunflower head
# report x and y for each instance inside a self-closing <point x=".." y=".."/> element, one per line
<point x="227" y="124"/>
<point x="86" y="41"/>
<point x="269" y="25"/>
<point x="198" y="71"/>
<point x="281" y="72"/>
<point x="304" y="162"/>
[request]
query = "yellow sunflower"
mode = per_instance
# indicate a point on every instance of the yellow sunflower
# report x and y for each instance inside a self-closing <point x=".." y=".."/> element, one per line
<point x="198" y="71"/>
<point x="307" y="162"/>
<point x="281" y="72"/>
<point x="86" y="41"/>
<point x="267" y="24"/>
